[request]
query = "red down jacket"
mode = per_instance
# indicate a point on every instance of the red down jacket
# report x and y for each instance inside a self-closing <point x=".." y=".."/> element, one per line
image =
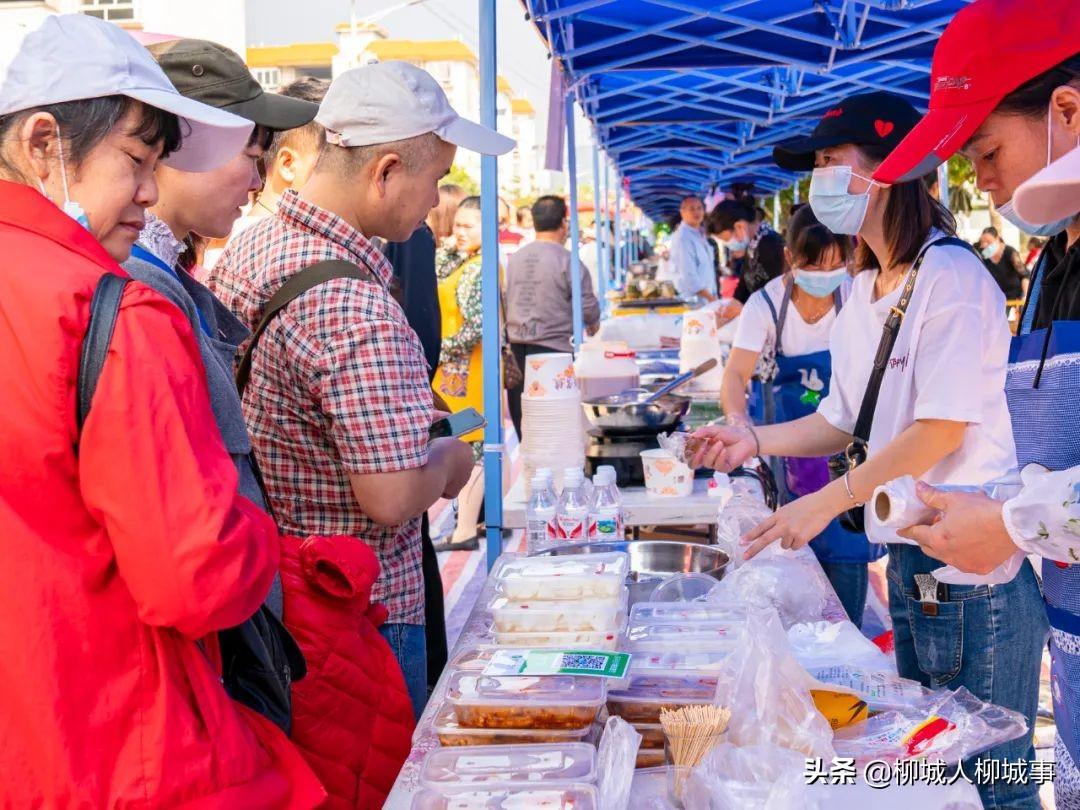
<point x="352" y="717"/>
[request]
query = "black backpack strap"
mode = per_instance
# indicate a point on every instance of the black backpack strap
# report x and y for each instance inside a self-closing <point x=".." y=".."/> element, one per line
<point x="297" y="285"/>
<point x="104" y="307"/>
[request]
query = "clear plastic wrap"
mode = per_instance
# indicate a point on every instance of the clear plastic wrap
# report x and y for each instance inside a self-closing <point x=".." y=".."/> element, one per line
<point x="768" y="693"/>
<point x="821" y="644"/>
<point x="616" y="759"/>
<point x="882" y="690"/>
<point x="947" y="726"/>
<point x="758" y="776"/>
<point x="505" y="765"/>
<point x="782" y="582"/>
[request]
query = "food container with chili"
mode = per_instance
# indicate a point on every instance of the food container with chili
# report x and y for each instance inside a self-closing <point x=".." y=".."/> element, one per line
<point x="451" y="733"/>
<point x="643" y="696"/>
<point x="515" y="701"/>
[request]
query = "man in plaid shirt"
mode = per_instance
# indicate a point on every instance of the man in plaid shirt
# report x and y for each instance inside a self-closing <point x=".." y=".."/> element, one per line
<point x="338" y="402"/>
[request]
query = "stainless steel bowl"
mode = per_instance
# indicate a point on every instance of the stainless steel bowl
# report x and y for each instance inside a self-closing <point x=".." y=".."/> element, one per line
<point x="652" y="561"/>
<point x="615" y="415"/>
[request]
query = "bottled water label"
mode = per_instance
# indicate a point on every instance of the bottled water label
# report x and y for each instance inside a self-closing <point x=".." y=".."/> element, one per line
<point x="607" y="525"/>
<point x="572" y="528"/>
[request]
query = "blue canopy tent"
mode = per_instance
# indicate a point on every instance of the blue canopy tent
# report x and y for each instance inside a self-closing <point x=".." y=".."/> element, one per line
<point x="684" y="95"/>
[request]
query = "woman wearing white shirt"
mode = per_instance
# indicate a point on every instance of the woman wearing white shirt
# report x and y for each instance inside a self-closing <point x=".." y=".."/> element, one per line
<point x="788" y="323"/>
<point x="941" y="415"/>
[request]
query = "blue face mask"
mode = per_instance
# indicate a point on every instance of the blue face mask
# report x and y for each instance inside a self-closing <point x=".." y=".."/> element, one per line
<point x="820" y="283"/>
<point x="70" y="207"/>
<point x="988" y="251"/>
<point x="736" y="244"/>
<point x="835" y="207"/>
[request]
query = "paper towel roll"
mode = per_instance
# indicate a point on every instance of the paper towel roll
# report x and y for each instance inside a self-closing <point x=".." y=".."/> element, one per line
<point x="895" y="505"/>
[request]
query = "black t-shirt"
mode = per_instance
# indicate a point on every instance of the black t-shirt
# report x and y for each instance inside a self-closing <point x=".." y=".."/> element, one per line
<point x="1059" y="279"/>
<point x="764" y="262"/>
<point x="1009" y="273"/>
<point x="414" y="268"/>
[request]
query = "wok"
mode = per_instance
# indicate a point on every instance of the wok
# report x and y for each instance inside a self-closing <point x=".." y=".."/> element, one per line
<point x="615" y="416"/>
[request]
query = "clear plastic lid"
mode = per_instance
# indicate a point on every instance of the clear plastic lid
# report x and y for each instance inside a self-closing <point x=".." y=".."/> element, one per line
<point x="451" y="733"/>
<point x="698" y="633"/>
<point x="682" y="690"/>
<point x="537" y="797"/>
<point x="582" y="640"/>
<point x="678" y="662"/>
<point x="472" y="659"/>
<point x="592" y="615"/>
<point x="500" y="765"/>
<point x="469" y="688"/>
<point x="673" y="612"/>
<point x="577" y="576"/>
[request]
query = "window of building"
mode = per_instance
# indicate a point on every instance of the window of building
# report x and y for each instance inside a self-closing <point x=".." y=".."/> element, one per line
<point x="111" y="10"/>
<point x="268" y="78"/>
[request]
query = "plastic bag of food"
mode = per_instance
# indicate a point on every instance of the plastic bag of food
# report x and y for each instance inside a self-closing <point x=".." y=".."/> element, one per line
<point x="768" y="693"/>
<point x="947" y="726"/>
<point x="882" y="690"/>
<point x="781" y="581"/>
<point x="822" y="644"/>
<point x="759" y="776"/>
<point x="615" y="763"/>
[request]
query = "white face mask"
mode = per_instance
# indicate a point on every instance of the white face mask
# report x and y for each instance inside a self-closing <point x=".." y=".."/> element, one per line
<point x="1050" y="228"/>
<point x="835" y="207"/>
<point x="70" y="206"/>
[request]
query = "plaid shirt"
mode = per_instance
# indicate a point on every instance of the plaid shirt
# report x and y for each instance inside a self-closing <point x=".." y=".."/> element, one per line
<point x="338" y="385"/>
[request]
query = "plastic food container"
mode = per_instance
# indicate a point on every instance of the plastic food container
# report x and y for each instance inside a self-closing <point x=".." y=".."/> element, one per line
<point x="452" y="733"/>
<point x="600" y="640"/>
<point x="581" y="576"/>
<point x="676" y="613"/>
<point x="600" y="615"/>
<point x="472" y="659"/>
<point x="652" y="734"/>
<point x="675" y="662"/>
<point x="649" y="758"/>
<point x="554" y="701"/>
<point x="639" y="636"/>
<point x="535" y="797"/>
<point x="642" y="698"/>
<point x="505" y="765"/>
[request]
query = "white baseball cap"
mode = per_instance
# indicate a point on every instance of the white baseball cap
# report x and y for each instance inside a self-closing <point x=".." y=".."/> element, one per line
<point x="1051" y="194"/>
<point x="392" y="101"/>
<point x="72" y="57"/>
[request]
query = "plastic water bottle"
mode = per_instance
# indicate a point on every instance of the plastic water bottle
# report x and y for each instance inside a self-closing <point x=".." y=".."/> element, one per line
<point x="607" y="517"/>
<point x="540" y="517"/>
<point x="572" y="516"/>
<point x="548" y="476"/>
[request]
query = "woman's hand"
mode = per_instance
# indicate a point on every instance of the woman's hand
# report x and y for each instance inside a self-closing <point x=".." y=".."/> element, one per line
<point x="968" y="533"/>
<point x="724" y="448"/>
<point x="794" y="524"/>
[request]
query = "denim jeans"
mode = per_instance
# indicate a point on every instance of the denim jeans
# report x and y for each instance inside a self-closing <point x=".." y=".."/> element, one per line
<point x="850" y="581"/>
<point x="987" y="639"/>
<point x="409" y="643"/>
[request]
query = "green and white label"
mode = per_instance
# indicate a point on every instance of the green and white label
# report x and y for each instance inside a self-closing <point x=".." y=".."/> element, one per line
<point x="593" y="663"/>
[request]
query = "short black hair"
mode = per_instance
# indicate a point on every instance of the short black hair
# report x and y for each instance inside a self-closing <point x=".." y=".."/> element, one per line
<point x="549" y="213"/>
<point x="992" y="231"/>
<point x="86" y="123"/>
<point x="809" y="241"/>
<point x="470" y="203"/>
<point x="689" y="197"/>
<point x="727" y="213"/>
<point x="306" y="88"/>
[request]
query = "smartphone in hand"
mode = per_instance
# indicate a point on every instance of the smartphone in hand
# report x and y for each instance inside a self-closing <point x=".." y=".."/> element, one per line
<point x="458" y="424"/>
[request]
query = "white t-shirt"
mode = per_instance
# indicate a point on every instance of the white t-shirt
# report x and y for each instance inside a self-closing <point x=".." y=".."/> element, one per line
<point x="757" y="329"/>
<point x="948" y="363"/>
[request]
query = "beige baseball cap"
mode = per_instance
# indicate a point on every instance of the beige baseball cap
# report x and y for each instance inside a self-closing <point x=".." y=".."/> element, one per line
<point x="392" y="101"/>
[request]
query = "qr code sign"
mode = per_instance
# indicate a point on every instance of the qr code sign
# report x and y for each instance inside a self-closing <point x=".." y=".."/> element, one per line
<point x="585" y="662"/>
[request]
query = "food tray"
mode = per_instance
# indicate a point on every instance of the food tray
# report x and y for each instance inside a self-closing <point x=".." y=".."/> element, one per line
<point x="504" y="765"/>
<point x="451" y="733"/>
<point x="642" y="698"/>
<point x="601" y="640"/>
<point x="472" y="659"/>
<point x="681" y="613"/>
<point x="592" y="576"/>
<point x="515" y="701"/>
<point x="678" y="662"/>
<point x="534" y="797"/>
<point x="643" y="637"/>
<point x="652" y="734"/>
<point x="597" y="615"/>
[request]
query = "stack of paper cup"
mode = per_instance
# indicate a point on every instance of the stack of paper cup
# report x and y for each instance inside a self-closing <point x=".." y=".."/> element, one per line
<point x="701" y="342"/>
<point x="552" y="419"/>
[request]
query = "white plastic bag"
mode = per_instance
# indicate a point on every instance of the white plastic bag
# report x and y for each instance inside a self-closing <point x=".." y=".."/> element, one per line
<point x="822" y="644"/>
<point x="781" y="581"/>
<point x="947" y="726"/>
<point x="768" y="693"/>
<point x="764" y="777"/>
<point x="616" y="756"/>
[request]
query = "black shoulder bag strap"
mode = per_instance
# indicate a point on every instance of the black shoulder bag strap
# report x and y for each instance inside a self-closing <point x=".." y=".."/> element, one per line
<point x="306" y="279"/>
<point x="104" y="307"/>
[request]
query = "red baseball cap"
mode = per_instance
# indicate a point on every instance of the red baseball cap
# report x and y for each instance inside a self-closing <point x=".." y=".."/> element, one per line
<point x="988" y="50"/>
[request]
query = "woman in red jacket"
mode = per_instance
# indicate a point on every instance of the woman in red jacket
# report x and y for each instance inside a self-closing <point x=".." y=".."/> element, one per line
<point x="126" y="546"/>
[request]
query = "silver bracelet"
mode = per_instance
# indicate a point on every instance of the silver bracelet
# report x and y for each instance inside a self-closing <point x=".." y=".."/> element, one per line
<point x="847" y="488"/>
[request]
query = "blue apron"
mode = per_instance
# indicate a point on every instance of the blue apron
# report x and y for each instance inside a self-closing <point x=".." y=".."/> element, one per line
<point x="801" y="382"/>
<point x="1045" y="431"/>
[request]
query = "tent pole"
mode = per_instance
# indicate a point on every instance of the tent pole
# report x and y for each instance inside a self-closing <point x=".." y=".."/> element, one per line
<point x="776" y="211"/>
<point x="492" y="334"/>
<point x="575" y="234"/>
<point x="620" y="242"/>
<point x="596" y="222"/>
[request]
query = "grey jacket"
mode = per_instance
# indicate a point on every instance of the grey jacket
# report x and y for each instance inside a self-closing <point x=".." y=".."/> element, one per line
<point x="218" y="351"/>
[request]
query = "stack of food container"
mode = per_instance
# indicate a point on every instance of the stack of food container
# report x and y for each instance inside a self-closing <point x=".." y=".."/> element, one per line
<point x="533" y="776"/>
<point x="677" y="650"/>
